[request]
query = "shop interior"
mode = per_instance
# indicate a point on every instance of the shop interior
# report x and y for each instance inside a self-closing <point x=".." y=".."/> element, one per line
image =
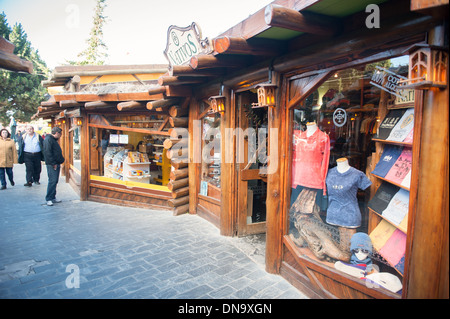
<point x="353" y="219"/>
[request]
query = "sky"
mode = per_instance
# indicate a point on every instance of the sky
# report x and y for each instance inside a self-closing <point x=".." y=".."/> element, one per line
<point x="135" y="31"/>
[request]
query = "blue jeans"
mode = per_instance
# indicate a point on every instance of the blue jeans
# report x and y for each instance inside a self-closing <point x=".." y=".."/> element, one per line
<point x="53" y="178"/>
<point x="9" y="172"/>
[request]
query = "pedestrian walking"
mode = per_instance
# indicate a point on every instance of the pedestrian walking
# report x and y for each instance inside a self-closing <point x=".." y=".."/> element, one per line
<point x="53" y="160"/>
<point x="30" y="153"/>
<point x="8" y="157"/>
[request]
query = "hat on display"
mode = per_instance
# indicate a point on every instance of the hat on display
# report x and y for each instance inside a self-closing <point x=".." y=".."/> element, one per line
<point x="361" y="240"/>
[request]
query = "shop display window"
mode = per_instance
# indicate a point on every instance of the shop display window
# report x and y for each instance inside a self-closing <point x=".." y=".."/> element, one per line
<point x="76" y="142"/>
<point x="120" y="153"/>
<point x="350" y="173"/>
<point x="211" y="156"/>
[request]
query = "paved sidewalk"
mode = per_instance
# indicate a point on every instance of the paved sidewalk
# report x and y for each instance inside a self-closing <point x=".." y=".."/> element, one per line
<point x="121" y="252"/>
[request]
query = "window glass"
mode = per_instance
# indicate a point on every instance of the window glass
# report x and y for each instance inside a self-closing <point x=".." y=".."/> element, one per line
<point x="211" y="156"/>
<point x="127" y="155"/>
<point x="76" y="149"/>
<point x="342" y="211"/>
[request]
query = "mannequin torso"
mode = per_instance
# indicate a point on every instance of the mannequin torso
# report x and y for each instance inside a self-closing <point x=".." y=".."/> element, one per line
<point x="342" y="165"/>
<point x="311" y="128"/>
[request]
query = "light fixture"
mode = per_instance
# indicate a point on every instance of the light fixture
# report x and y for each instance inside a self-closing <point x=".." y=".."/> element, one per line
<point x="217" y="102"/>
<point x="427" y="67"/>
<point x="266" y="93"/>
<point x="79" y="121"/>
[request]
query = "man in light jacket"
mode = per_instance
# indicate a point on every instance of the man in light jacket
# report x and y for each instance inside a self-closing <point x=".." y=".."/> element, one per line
<point x="30" y="153"/>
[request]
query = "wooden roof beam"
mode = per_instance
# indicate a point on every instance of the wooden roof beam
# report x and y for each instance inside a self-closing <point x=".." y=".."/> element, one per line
<point x="153" y="105"/>
<point x="210" y="62"/>
<point x="69" y="103"/>
<point x="98" y="105"/>
<point x="130" y="105"/>
<point x="282" y="17"/>
<point x="12" y="62"/>
<point x="178" y="80"/>
<point x="238" y="45"/>
<point x="186" y="70"/>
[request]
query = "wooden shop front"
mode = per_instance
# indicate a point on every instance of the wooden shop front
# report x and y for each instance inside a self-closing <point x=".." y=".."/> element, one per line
<point x="341" y="86"/>
<point x="116" y="134"/>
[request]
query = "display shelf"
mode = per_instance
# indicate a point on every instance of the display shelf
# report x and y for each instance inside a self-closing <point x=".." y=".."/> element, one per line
<point x="391" y="182"/>
<point x="393" y="249"/>
<point x="403" y="229"/>
<point x="392" y="142"/>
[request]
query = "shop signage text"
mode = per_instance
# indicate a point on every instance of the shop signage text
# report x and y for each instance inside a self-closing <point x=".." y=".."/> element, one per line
<point x="184" y="43"/>
<point x="388" y="81"/>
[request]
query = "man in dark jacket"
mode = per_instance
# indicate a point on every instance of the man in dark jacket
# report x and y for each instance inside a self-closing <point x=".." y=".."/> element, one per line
<point x="53" y="160"/>
<point x="30" y="153"/>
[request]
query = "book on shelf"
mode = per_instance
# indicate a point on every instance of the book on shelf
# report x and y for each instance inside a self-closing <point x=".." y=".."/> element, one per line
<point x="407" y="180"/>
<point x="381" y="234"/>
<point x="389" y="156"/>
<point x="398" y="207"/>
<point x="394" y="248"/>
<point x="403" y="127"/>
<point x="388" y="123"/>
<point x="409" y="137"/>
<point x="382" y="197"/>
<point x="401" y="167"/>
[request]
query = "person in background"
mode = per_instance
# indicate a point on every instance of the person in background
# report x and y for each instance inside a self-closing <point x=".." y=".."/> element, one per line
<point x="30" y="153"/>
<point x="53" y="159"/>
<point x="8" y="157"/>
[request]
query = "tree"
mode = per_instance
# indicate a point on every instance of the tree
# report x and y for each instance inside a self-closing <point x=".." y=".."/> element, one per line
<point x="20" y="93"/>
<point x="95" y="53"/>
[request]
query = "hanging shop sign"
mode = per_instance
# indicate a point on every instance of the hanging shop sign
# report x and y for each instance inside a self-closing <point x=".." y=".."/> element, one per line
<point x="389" y="82"/>
<point x="184" y="43"/>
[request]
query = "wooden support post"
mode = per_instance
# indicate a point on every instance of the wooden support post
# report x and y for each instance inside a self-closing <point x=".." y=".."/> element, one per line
<point x="84" y="152"/>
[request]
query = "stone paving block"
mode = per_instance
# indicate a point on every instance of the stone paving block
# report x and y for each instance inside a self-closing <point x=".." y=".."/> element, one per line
<point x="123" y="252"/>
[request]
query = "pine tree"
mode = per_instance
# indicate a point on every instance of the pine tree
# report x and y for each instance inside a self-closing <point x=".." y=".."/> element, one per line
<point x="20" y="93"/>
<point x="95" y="53"/>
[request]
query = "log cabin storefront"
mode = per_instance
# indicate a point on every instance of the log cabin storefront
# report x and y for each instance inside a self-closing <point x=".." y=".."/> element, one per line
<point x="323" y="124"/>
<point x="114" y="131"/>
